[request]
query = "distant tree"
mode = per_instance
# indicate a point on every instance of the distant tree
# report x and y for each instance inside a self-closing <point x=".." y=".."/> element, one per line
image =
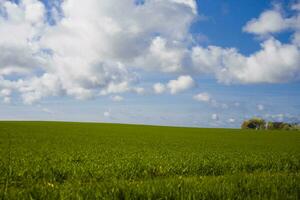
<point x="254" y="123"/>
<point x="279" y="126"/>
<point x="260" y="124"/>
<point x="270" y="126"/>
<point x="296" y="127"/>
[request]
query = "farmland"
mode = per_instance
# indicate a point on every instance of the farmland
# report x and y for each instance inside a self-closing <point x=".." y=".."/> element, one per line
<point x="56" y="160"/>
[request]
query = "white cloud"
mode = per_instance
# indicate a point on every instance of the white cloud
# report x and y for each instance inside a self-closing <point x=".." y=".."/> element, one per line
<point x="204" y="97"/>
<point x="181" y="84"/>
<point x="275" y="62"/>
<point x="89" y="48"/>
<point x="106" y="114"/>
<point x="159" y="88"/>
<point x="7" y="100"/>
<point x="231" y="120"/>
<point x="260" y="107"/>
<point x="189" y="3"/>
<point x="164" y="56"/>
<point x="207" y="98"/>
<point x="139" y="90"/>
<point x="117" y="98"/>
<point x="92" y="49"/>
<point x="215" y="117"/>
<point x="113" y="88"/>
<point x="34" y="11"/>
<point x="270" y="21"/>
<point x="5" y="92"/>
<point x="19" y="30"/>
<point x="274" y="21"/>
<point x="34" y="89"/>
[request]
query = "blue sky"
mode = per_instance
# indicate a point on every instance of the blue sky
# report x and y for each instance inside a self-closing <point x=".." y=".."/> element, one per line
<point x="215" y="63"/>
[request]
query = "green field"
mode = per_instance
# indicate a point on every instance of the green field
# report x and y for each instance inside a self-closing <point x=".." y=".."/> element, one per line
<point x="51" y="160"/>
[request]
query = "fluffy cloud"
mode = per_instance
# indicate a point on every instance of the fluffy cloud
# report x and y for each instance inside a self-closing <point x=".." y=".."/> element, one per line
<point x="7" y="100"/>
<point x="215" y="117"/>
<point x="204" y="97"/>
<point x="207" y="98"/>
<point x="274" y="21"/>
<point x="181" y="84"/>
<point x="5" y="95"/>
<point x="159" y="88"/>
<point x="275" y="62"/>
<point x="231" y="120"/>
<point x="270" y="21"/>
<point x="260" y="107"/>
<point x="117" y="98"/>
<point x="5" y="92"/>
<point x="165" y="57"/>
<point x="191" y="4"/>
<point x="87" y="47"/>
<point x="139" y="90"/>
<point x="106" y="114"/>
<point x="37" y="88"/>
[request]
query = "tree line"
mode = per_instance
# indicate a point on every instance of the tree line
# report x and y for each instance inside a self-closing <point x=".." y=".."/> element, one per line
<point x="261" y="124"/>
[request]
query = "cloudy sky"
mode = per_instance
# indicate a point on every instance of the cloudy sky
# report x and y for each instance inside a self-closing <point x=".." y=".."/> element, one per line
<point x="203" y="63"/>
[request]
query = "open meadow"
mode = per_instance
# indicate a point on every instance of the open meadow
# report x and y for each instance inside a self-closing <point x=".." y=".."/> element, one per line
<point x="55" y="160"/>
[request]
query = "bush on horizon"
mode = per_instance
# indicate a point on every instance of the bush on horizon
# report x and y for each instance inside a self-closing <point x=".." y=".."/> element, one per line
<point x="261" y="124"/>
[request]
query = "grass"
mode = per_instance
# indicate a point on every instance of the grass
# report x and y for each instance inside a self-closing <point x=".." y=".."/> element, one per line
<point x="51" y="160"/>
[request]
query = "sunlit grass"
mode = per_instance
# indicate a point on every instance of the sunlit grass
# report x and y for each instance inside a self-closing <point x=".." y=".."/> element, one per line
<point x="49" y="160"/>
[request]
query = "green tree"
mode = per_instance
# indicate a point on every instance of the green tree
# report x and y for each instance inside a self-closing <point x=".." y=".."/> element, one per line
<point x="254" y="123"/>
